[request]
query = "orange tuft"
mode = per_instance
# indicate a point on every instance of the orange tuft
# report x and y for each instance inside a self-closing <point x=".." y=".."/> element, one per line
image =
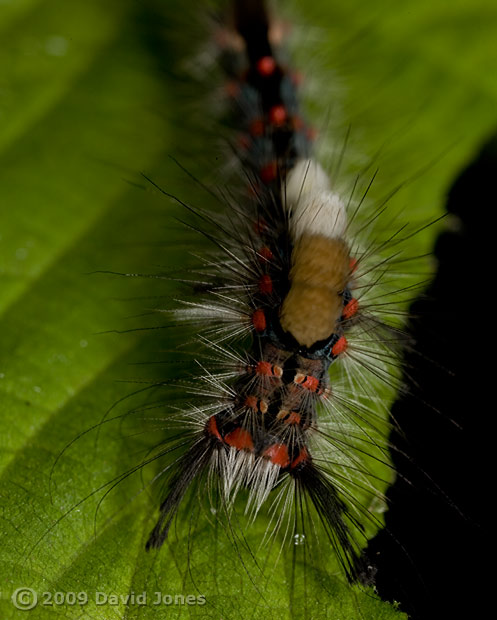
<point x="340" y="346"/>
<point x="278" y="454"/>
<point x="240" y="439"/>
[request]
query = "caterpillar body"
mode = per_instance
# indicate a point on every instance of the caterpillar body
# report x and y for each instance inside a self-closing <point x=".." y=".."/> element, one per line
<point x="291" y="294"/>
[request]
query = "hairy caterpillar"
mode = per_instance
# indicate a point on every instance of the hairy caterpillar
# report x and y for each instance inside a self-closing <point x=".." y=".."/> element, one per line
<point x="291" y="283"/>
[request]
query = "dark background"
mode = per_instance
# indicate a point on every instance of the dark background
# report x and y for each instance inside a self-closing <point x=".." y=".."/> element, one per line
<point x="435" y="555"/>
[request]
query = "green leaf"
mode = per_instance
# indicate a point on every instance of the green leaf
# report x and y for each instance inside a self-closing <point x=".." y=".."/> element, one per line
<point x="89" y="99"/>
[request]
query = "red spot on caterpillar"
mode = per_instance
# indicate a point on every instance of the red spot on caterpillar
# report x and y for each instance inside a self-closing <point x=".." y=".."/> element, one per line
<point x="265" y="254"/>
<point x="266" y="66"/>
<point x="353" y="264"/>
<point x="269" y="172"/>
<point x="311" y="383"/>
<point x="212" y="428"/>
<point x="277" y="453"/>
<point x="289" y="417"/>
<point x="308" y="382"/>
<point x="251" y="401"/>
<point x="266" y="285"/>
<point x="259" y="320"/>
<point x="293" y="418"/>
<point x="254" y="403"/>
<point x="302" y="457"/>
<point x="269" y="370"/>
<point x="340" y="346"/>
<point x="257" y="127"/>
<point x="277" y="115"/>
<point x="350" y="308"/>
<point x="264" y="368"/>
<point x="240" y="439"/>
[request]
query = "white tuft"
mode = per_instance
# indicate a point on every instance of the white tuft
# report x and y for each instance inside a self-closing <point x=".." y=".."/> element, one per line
<point x="306" y="176"/>
<point x="313" y="207"/>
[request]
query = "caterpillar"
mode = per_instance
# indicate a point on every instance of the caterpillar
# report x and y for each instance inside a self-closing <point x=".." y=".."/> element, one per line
<point x="291" y="292"/>
<point x="84" y="110"/>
